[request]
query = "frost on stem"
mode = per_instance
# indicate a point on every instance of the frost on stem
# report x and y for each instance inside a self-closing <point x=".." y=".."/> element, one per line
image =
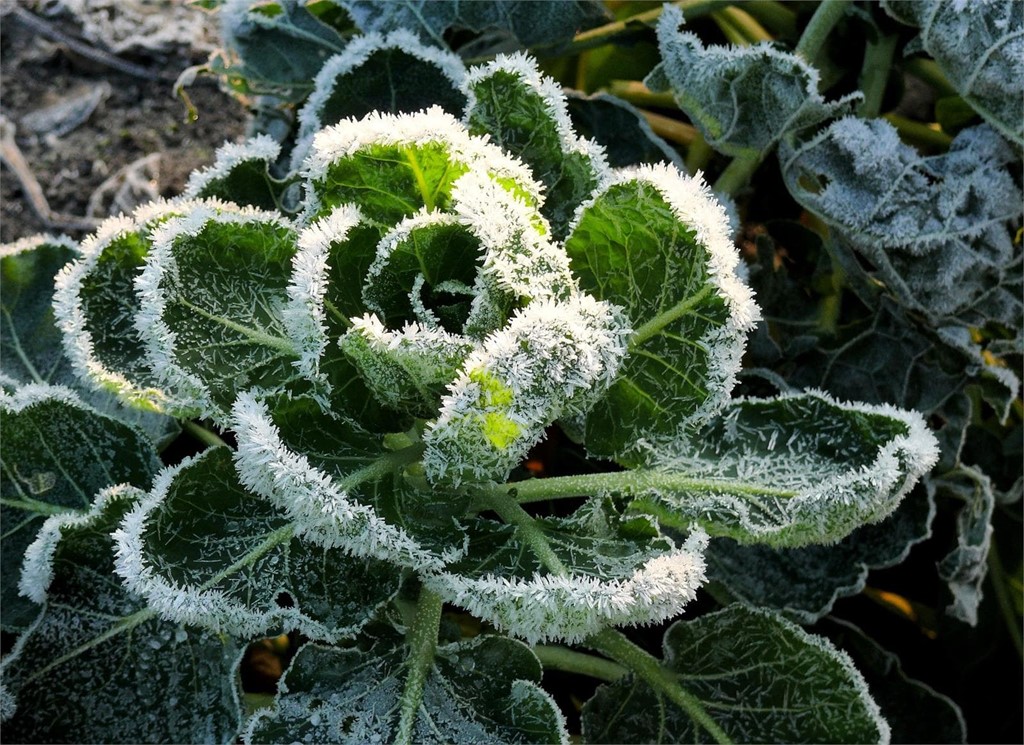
<point x="552" y="359"/>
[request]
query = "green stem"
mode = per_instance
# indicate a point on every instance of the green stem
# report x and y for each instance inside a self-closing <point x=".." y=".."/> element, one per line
<point x="997" y="575"/>
<point x="627" y="483"/>
<point x="601" y="35"/>
<point x="699" y="154"/>
<point x="201" y="433"/>
<point x="637" y="93"/>
<point x="501" y="500"/>
<point x="928" y="71"/>
<point x="874" y="74"/>
<point x="825" y="18"/>
<point x="737" y="174"/>
<point x="570" y="661"/>
<point x="773" y="15"/>
<point x="740" y="27"/>
<point x="917" y="133"/>
<point x="614" y="644"/>
<point x="663" y="319"/>
<point x="422" y="638"/>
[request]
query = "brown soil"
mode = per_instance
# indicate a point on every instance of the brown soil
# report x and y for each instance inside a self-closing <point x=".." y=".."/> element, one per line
<point x="138" y="117"/>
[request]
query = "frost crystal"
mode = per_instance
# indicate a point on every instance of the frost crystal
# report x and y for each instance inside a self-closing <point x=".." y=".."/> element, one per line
<point x="552" y="359"/>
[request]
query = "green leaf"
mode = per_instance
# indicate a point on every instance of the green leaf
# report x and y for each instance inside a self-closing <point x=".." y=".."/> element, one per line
<point x="212" y="306"/>
<point x="513" y="23"/>
<point x="394" y="74"/>
<point x="656" y="243"/>
<point x="618" y="570"/>
<point x="935" y="228"/>
<point x="551" y="360"/>
<point x="620" y="129"/>
<point x="326" y="475"/>
<point x="484" y="690"/>
<point x="58" y="453"/>
<point x="759" y="677"/>
<point x="274" y="54"/>
<point x="236" y="566"/>
<point x="787" y="471"/>
<point x="978" y="47"/>
<point x="901" y="698"/>
<point x="804" y="583"/>
<point x="98" y="666"/>
<point x="525" y="114"/>
<point x="742" y="99"/>
<point x="31" y="348"/>
<point x="30" y="341"/>
<point x="241" y="175"/>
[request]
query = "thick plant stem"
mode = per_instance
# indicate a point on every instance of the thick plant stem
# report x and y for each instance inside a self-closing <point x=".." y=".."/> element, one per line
<point x="422" y="640"/>
<point x="627" y="483"/>
<point x="639" y="94"/>
<point x="615" y="644"/>
<point x="828" y="14"/>
<point x="739" y="27"/>
<point x="201" y="433"/>
<point x="570" y="661"/>
<point x="501" y="501"/>
<point x="737" y="174"/>
<point x="928" y="71"/>
<point x="596" y="37"/>
<point x="874" y="74"/>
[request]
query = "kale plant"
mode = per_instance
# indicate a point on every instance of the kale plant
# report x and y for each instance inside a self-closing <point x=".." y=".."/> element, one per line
<point x="375" y="321"/>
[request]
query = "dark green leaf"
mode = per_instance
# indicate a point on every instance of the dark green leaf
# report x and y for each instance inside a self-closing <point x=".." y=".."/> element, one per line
<point x="979" y="48"/>
<point x="620" y="129"/>
<point x="57" y="455"/>
<point x="482" y="691"/>
<point x="759" y="677"/>
<point x="804" y="583"/>
<point x="788" y="471"/>
<point x="743" y="99"/>
<point x="236" y="566"/>
<point x="98" y="666"/>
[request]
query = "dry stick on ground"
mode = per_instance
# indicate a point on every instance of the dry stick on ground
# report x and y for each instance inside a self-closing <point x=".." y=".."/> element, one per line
<point x="47" y="29"/>
<point x="10" y="153"/>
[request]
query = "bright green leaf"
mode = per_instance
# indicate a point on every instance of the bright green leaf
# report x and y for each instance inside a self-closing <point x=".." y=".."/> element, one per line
<point x="655" y="243"/>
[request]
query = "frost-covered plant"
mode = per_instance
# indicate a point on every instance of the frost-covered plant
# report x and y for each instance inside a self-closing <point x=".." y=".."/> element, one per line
<point x="381" y="338"/>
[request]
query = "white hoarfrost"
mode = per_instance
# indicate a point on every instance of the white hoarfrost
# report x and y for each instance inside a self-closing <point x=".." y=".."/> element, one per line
<point x="551" y="360"/>
<point x="323" y="511"/>
<point x="554" y="607"/>
<point x="191" y="395"/>
<point x="354" y="56"/>
<point x="518" y="255"/>
<point x="37" y="568"/>
<point x="431" y="126"/>
<point x="523" y="67"/>
<point x="304" y="317"/>
<point x="261" y="147"/>
<point x="69" y="310"/>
